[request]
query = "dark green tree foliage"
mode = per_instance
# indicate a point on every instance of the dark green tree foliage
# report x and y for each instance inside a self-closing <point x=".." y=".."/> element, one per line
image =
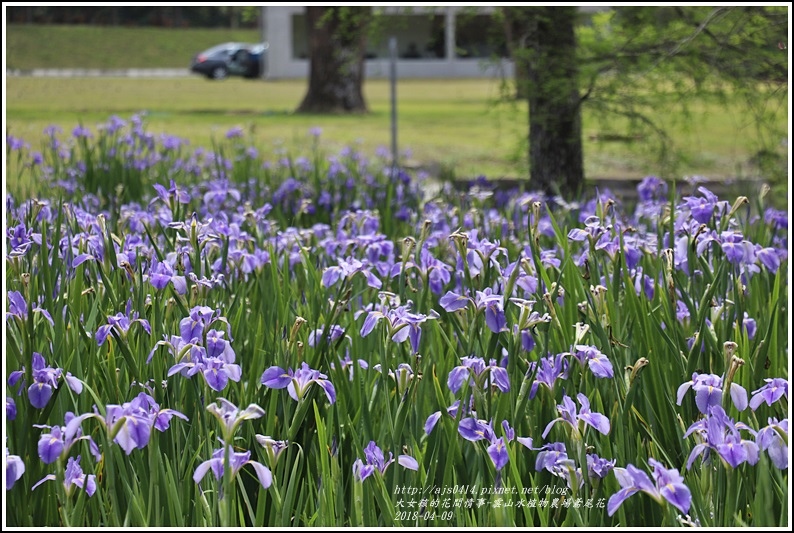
<point x="618" y="63"/>
<point x="117" y="15"/>
<point x="631" y="55"/>
<point x="337" y="44"/>
<point x="516" y="24"/>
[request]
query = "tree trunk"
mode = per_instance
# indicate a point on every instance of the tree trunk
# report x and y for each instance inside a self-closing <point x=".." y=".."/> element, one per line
<point x="234" y="18"/>
<point x="555" y="128"/>
<point x="337" y="42"/>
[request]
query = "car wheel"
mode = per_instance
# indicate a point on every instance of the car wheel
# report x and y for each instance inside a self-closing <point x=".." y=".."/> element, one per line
<point x="219" y="73"/>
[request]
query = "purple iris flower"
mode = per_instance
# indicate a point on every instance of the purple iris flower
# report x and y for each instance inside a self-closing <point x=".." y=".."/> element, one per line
<point x="402" y="376"/>
<point x="497" y="451"/>
<point x="45" y="380"/>
<point x="209" y="283"/>
<point x="374" y="459"/>
<point x="494" y="309"/>
<point x="451" y="301"/>
<point x="548" y="258"/>
<point x="235" y="132"/>
<point x="529" y="318"/>
<point x="609" y="244"/>
<point x="771" y="438"/>
<point x="11" y="408"/>
<point x="57" y="443"/>
<point x="237" y="460"/>
<point x="708" y="392"/>
<point x="217" y="372"/>
<point x="474" y="430"/>
<point x="554" y="458"/>
<point x="432" y="420"/>
<point x="120" y="323"/>
<point x="651" y="188"/>
<point x="216" y="362"/>
<point x="192" y="327"/>
<point x="774" y="390"/>
<point x="669" y="486"/>
<point x="132" y="422"/>
<point x="15" y="467"/>
<point x="452" y="412"/>
<point x="597" y="362"/>
<point x="15" y="143"/>
<point x="749" y="325"/>
<point x="768" y="257"/>
<point x="81" y="131"/>
<point x="19" y="239"/>
<point x="527" y="340"/>
<point x="162" y="273"/>
<point x="316" y="336"/>
<point x="737" y="249"/>
<point x="17" y="377"/>
<point x="407" y="326"/>
<point x="403" y="324"/>
<point x="776" y="218"/>
<point x="218" y="347"/>
<point x="434" y="272"/>
<point x="346" y="270"/>
<point x="598" y="467"/>
<point x="550" y="456"/>
<point x="74" y="477"/>
<point x="720" y="433"/>
<point x="178" y="347"/>
<point x="348" y="363"/>
<point x="577" y="421"/>
<point x="593" y="230"/>
<point x="549" y="370"/>
<point x="18" y="307"/>
<point x="114" y="124"/>
<point x="478" y="373"/>
<point x="178" y="194"/>
<point x="298" y="381"/>
<point x="273" y="448"/>
<point x="702" y="208"/>
<point x="230" y="416"/>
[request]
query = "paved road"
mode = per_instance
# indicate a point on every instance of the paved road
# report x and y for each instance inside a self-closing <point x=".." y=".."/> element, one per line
<point x="95" y="72"/>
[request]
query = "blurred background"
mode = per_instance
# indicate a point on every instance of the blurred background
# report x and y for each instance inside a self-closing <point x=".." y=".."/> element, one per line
<point x="678" y="92"/>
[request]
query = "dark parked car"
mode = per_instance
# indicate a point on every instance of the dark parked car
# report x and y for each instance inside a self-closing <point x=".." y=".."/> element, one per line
<point x="230" y="59"/>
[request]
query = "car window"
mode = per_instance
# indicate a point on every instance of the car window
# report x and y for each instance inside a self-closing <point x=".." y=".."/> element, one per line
<point x="221" y="49"/>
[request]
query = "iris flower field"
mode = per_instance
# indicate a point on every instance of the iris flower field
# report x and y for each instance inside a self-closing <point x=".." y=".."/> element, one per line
<point x="206" y="337"/>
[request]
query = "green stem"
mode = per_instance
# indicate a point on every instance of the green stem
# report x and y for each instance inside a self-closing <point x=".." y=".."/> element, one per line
<point x="226" y="500"/>
<point x="63" y="495"/>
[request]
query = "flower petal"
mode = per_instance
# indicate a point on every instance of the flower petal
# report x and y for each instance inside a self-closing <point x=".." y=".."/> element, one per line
<point x="263" y="473"/>
<point x="408" y="462"/>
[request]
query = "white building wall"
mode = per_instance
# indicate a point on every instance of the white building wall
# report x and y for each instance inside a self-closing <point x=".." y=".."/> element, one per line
<point x="278" y="34"/>
<point x="282" y="65"/>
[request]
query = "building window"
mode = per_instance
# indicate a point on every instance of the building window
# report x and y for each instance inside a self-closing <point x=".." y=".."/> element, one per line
<point x="300" y="37"/>
<point x="419" y="36"/>
<point x="479" y="36"/>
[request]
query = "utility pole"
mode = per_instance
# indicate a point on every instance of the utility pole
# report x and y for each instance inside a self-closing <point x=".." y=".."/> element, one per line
<point x="263" y="39"/>
<point x="393" y="85"/>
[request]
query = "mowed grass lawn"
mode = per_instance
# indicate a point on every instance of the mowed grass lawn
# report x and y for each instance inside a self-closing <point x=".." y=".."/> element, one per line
<point x="448" y="126"/>
<point x="107" y="47"/>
